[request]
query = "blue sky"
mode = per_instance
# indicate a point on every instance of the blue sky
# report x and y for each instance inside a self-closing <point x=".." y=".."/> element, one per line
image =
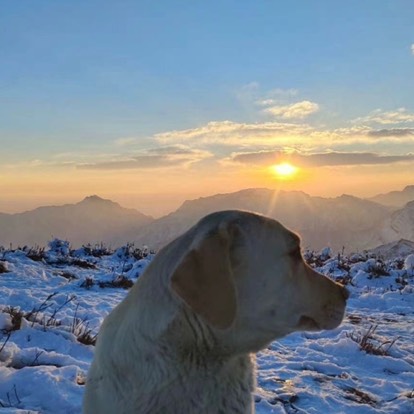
<point x="95" y="83"/>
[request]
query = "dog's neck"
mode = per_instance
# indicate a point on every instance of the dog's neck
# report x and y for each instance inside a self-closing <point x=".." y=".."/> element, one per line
<point x="195" y="342"/>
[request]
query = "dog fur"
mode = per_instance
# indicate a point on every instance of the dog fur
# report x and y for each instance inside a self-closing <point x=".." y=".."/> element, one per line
<point x="182" y="340"/>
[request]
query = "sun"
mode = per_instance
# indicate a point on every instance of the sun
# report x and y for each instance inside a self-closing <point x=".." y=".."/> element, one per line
<point x="284" y="170"/>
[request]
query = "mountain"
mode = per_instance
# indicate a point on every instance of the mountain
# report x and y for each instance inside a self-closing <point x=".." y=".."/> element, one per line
<point x="345" y="221"/>
<point x="336" y="222"/>
<point x="395" y="198"/>
<point x="400" y="248"/>
<point x="399" y="225"/>
<point x="92" y="220"/>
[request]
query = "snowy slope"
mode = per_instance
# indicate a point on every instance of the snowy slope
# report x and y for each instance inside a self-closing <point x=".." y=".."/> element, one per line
<point x="52" y="304"/>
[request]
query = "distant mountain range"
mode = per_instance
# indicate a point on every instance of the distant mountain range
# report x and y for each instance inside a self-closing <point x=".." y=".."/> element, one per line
<point x="395" y="198"/>
<point x="343" y="222"/>
<point x="92" y="220"/>
<point x="400" y="248"/>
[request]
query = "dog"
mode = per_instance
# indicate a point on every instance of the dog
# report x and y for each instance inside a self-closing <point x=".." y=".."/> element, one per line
<point x="182" y="340"/>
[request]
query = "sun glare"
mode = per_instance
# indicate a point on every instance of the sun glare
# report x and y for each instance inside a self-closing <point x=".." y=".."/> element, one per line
<point x="284" y="170"/>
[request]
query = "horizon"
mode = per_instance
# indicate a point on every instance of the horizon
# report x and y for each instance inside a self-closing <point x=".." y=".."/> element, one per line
<point x="156" y="217"/>
<point x="152" y="104"/>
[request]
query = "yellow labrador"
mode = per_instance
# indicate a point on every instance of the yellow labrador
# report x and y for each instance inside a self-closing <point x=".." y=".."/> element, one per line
<point x="181" y="341"/>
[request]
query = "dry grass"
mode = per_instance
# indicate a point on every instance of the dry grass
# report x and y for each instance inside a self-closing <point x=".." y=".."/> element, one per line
<point x="370" y="344"/>
<point x="79" y="327"/>
<point x="119" y="282"/>
<point x="359" y="396"/>
<point x="36" y="254"/>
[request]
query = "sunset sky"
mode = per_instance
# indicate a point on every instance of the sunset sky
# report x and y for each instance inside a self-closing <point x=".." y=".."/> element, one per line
<point x="151" y="103"/>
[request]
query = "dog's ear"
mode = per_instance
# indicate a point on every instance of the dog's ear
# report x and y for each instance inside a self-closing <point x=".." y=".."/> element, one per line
<point x="204" y="279"/>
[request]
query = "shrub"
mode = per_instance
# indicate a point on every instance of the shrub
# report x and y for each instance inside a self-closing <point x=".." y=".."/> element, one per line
<point x="36" y="254"/>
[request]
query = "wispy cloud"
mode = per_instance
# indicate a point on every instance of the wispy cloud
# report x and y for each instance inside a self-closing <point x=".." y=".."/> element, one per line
<point x="279" y="93"/>
<point x="276" y="96"/>
<point x="412" y="48"/>
<point x="163" y="157"/>
<point x="248" y="92"/>
<point x="122" y="142"/>
<point x="400" y="115"/>
<point x="394" y="132"/>
<point x="266" y="102"/>
<point x="281" y="134"/>
<point x="234" y="133"/>
<point x="319" y="159"/>
<point x="298" y="110"/>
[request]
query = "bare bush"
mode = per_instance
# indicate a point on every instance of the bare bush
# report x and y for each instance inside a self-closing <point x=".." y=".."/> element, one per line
<point x="370" y="344"/>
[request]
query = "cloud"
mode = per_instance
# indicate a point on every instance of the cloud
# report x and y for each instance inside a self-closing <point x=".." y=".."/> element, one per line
<point x="394" y="132"/>
<point x="280" y="134"/>
<point x="240" y="134"/>
<point x="163" y="157"/>
<point x="298" y="110"/>
<point x="122" y="142"/>
<point x="275" y="96"/>
<point x="248" y="92"/>
<point x="251" y="86"/>
<point x="400" y="115"/>
<point x="173" y="150"/>
<point x="319" y="159"/>
<point x="283" y="93"/>
<point x="412" y="48"/>
<point x="265" y="102"/>
<point x="260" y="157"/>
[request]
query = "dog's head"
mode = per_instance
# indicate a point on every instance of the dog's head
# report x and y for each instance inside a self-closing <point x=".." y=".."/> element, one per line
<point x="244" y="275"/>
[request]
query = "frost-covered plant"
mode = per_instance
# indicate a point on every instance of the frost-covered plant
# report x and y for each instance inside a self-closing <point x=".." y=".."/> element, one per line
<point x="130" y="251"/>
<point x="409" y="264"/>
<point x="59" y="247"/>
<point x="325" y="253"/>
<point x="3" y="267"/>
<point x="97" y="250"/>
<point x="16" y="316"/>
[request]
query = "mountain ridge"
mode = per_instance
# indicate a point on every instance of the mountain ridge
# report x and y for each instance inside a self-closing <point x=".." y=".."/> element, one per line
<point x="320" y="221"/>
<point x="345" y="220"/>
<point x="91" y="220"/>
<point x="395" y="198"/>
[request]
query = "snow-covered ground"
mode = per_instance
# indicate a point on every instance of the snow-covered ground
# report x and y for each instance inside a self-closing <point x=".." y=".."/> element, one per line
<point x="52" y="303"/>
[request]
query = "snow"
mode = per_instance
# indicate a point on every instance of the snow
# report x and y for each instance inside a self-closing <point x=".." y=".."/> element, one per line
<point x="51" y="309"/>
